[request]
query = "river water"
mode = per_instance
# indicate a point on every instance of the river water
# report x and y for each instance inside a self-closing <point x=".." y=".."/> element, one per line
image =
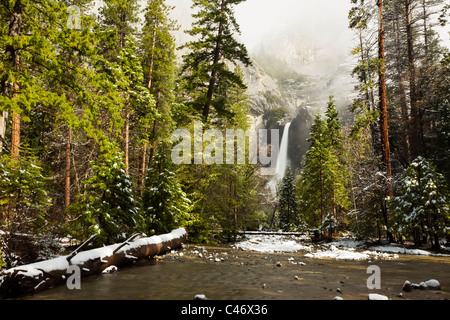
<point x="227" y="273"/>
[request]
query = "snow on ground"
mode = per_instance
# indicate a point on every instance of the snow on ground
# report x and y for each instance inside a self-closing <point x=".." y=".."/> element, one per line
<point x="271" y="243"/>
<point x="332" y="252"/>
<point x="344" y="249"/>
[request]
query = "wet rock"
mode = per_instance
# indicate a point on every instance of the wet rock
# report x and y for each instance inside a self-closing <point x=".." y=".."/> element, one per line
<point x="423" y="286"/>
<point x="415" y="286"/>
<point x="407" y="287"/>
<point x="433" y="284"/>
<point x="376" y="296"/>
<point x="200" y="297"/>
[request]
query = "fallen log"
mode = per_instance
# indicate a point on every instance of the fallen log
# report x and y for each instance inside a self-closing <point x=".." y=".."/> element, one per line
<point x="36" y="277"/>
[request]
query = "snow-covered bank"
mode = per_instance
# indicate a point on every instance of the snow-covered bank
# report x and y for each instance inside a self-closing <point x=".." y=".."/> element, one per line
<point x="32" y="278"/>
<point x="271" y="243"/>
<point x="340" y="249"/>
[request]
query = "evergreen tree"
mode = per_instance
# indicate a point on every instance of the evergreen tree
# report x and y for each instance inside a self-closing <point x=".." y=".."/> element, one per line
<point x="110" y="210"/>
<point x="24" y="203"/>
<point x="118" y="20"/>
<point x="288" y="203"/>
<point x="323" y="182"/>
<point x="165" y="205"/>
<point x="159" y="64"/>
<point x="422" y="205"/>
<point x="205" y="66"/>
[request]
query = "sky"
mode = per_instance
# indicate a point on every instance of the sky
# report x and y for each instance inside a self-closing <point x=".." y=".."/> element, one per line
<point x="323" y="18"/>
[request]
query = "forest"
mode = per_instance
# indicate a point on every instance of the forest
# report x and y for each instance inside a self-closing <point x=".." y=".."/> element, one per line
<point x="89" y="102"/>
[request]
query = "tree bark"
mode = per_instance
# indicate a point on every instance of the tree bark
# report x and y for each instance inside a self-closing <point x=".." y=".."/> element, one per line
<point x="33" y="278"/>
<point x="68" y="169"/>
<point x="127" y="142"/>
<point x="384" y="117"/>
<point x="15" y="30"/>
<point x="15" y="137"/>
<point x="383" y="100"/>
<point x="3" y="123"/>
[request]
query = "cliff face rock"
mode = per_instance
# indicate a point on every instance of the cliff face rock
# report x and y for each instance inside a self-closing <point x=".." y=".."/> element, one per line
<point x="264" y="91"/>
<point x="293" y="70"/>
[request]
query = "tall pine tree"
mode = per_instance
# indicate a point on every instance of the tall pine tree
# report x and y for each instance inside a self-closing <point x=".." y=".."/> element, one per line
<point x="288" y="204"/>
<point x="205" y="66"/>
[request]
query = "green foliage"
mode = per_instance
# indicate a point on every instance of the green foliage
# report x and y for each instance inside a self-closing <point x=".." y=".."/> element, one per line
<point x="205" y="69"/>
<point x="110" y="209"/>
<point x="323" y="183"/>
<point x="2" y="263"/>
<point x="158" y="58"/>
<point x="24" y="196"/>
<point x="422" y="203"/>
<point x="165" y="205"/>
<point x="288" y="204"/>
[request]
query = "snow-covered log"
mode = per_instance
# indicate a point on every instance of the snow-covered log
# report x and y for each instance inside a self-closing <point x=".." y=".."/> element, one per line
<point x="36" y="277"/>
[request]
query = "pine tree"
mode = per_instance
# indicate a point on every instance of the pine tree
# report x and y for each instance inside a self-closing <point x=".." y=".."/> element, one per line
<point x="118" y="19"/>
<point x="288" y="203"/>
<point x="323" y="182"/>
<point x="159" y="64"/>
<point x="165" y="205"/>
<point x="422" y="205"/>
<point x="205" y="66"/>
<point x="110" y="210"/>
<point x="24" y="202"/>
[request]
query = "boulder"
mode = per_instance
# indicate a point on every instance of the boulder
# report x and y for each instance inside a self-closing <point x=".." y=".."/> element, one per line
<point x="433" y="284"/>
<point x="407" y="287"/>
<point x="200" y="297"/>
<point x="423" y="286"/>
<point x="376" y="296"/>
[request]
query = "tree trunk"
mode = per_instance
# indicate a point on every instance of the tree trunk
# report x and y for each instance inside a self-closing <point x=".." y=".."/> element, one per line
<point x="67" y="177"/>
<point x="383" y="103"/>
<point x="33" y="278"/>
<point x="384" y="118"/>
<point x="3" y="123"/>
<point x="127" y="142"/>
<point x="425" y="28"/>
<point x="213" y="80"/>
<point x="15" y="137"/>
<point x="414" y="125"/>
<point x="15" y="30"/>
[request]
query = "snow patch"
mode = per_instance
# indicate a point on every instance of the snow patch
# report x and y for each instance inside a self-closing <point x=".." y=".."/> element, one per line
<point x="271" y="243"/>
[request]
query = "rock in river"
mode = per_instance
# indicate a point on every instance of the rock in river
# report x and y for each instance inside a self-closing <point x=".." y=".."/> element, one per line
<point x="376" y="296"/>
<point x="407" y="286"/>
<point x="433" y="284"/>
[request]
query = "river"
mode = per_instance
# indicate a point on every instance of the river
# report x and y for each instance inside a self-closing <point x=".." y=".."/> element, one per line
<point x="228" y="273"/>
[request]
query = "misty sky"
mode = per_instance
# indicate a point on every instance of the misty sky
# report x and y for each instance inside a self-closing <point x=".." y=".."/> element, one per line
<point x="326" y="19"/>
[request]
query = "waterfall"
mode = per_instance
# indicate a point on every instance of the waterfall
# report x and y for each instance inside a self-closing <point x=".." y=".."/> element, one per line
<point x="283" y="154"/>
